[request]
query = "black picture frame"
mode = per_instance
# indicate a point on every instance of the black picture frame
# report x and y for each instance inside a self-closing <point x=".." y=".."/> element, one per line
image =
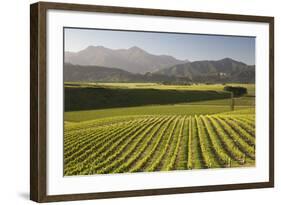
<point x="38" y="102"/>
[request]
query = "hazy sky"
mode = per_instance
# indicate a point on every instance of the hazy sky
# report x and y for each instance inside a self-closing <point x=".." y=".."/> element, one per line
<point x="182" y="46"/>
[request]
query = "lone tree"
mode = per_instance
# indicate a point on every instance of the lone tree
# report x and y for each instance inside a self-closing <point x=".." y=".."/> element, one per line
<point x="235" y="92"/>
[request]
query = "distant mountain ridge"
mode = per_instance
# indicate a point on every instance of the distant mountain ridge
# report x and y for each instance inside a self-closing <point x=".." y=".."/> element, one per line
<point x="78" y="73"/>
<point x="226" y="69"/>
<point x="97" y="63"/>
<point x="134" y="59"/>
<point x="222" y="71"/>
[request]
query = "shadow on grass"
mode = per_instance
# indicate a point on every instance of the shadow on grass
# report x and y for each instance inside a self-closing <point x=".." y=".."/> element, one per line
<point x="79" y="98"/>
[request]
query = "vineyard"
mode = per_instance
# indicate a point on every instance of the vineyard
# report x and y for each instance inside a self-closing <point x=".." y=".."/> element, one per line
<point x="146" y="143"/>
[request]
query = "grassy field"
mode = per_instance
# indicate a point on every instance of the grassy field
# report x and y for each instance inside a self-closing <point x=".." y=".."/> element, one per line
<point x="202" y="87"/>
<point x="195" y="130"/>
<point x="179" y="109"/>
<point x="89" y="97"/>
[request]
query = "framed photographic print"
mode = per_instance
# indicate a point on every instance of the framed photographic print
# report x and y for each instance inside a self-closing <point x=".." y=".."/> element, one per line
<point x="134" y="102"/>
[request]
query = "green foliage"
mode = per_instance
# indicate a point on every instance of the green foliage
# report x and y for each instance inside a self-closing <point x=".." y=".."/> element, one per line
<point x="155" y="143"/>
<point x="139" y="97"/>
<point x="89" y="98"/>
<point x="188" y="131"/>
<point x="237" y="91"/>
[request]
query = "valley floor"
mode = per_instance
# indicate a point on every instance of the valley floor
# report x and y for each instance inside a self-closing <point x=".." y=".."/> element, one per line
<point x="147" y="143"/>
<point x="182" y="136"/>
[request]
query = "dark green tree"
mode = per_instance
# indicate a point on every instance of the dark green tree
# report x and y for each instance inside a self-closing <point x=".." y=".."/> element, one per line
<point x="237" y="91"/>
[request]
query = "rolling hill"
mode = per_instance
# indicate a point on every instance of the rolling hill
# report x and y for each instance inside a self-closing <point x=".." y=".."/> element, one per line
<point x="78" y="73"/>
<point x="224" y="70"/>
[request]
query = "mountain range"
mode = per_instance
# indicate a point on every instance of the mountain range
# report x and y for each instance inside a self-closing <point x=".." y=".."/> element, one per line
<point x="224" y="70"/>
<point x="134" y="59"/>
<point x="100" y="64"/>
